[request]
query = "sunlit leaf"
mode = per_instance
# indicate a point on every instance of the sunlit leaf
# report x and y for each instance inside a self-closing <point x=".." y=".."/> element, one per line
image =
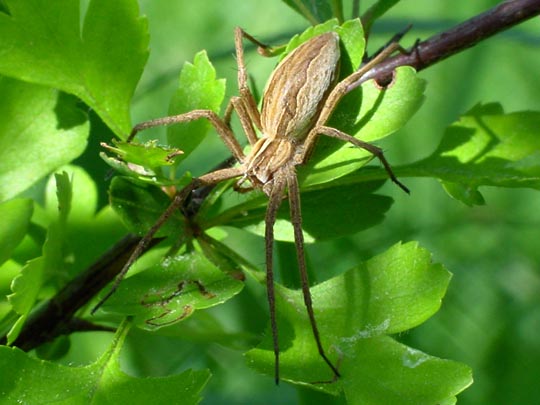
<point x="100" y="382"/>
<point x="99" y="61"/>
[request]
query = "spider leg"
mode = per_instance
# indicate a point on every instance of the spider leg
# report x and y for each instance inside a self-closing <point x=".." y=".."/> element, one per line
<point x="375" y="150"/>
<point x="346" y="85"/>
<point x="179" y="198"/>
<point x="221" y="127"/>
<point x="246" y="96"/>
<point x="176" y="202"/>
<point x="275" y="197"/>
<point x="246" y="120"/>
<point x="296" y="219"/>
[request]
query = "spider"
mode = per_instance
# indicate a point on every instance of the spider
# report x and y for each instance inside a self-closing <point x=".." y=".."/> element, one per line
<point x="300" y="96"/>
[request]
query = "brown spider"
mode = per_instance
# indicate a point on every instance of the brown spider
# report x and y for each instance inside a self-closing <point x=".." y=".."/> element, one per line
<point x="300" y="96"/>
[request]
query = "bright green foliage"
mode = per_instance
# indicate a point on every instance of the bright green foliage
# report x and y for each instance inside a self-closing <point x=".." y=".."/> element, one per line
<point x="100" y="62"/>
<point x="69" y="223"/>
<point x="401" y="374"/>
<point x="27" y="286"/>
<point x="98" y="383"/>
<point x="143" y="162"/>
<point x="486" y="147"/>
<point x="148" y="155"/>
<point x="176" y="291"/>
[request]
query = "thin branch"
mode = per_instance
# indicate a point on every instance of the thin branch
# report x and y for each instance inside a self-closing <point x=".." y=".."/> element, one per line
<point x="459" y="38"/>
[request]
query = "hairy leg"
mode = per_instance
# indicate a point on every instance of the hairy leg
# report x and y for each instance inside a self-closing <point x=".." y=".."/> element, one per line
<point x="179" y="198"/>
<point x="296" y="219"/>
<point x="222" y="129"/>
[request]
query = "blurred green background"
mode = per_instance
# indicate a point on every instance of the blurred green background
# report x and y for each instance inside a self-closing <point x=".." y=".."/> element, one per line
<point x="490" y="318"/>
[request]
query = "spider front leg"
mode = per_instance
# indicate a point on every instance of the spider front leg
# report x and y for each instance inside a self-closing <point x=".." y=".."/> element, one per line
<point x="245" y="105"/>
<point x="246" y="109"/>
<point x="223" y="130"/>
<point x="139" y="249"/>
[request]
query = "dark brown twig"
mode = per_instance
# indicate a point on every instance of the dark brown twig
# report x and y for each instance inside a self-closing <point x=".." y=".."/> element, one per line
<point x="459" y="38"/>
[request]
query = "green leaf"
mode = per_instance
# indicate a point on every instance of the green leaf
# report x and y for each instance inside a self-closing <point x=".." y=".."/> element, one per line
<point x="466" y="194"/>
<point x="64" y="195"/>
<point x="143" y="162"/>
<point x="102" y="382"/>
<point x="26" y="287"/>
<point x="139" y="206"/>
<point x="15" y="216"/>
<point x="70" y="192"/>
<point x="171" y="291"/>
<point x="198" y="88"/>
<point x="485" y="147"/>
<point x="31" y="148"/>
<point x="100" y="62"/>
<point x="352" y="37"/>
<point x="317" y="11"/>
<point x="388" y="294"/>
<point x="399" y="374"/>
<point x="88" y="232"/>
<point x="149" y="155"/>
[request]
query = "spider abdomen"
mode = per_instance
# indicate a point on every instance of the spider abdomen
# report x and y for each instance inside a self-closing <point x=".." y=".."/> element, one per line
<point x="299" y="86"/>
